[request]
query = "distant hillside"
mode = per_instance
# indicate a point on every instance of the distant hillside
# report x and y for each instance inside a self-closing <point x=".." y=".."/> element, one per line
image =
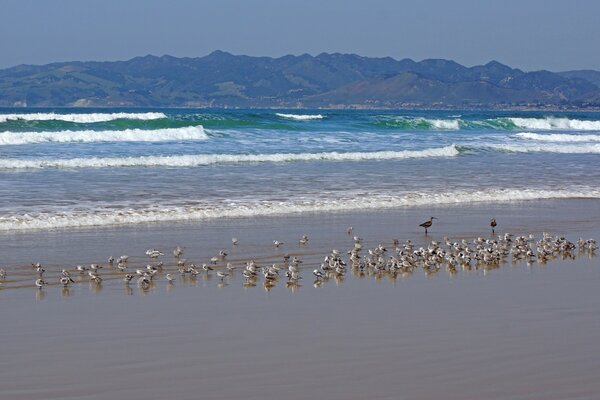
<point x="335" y="80"/>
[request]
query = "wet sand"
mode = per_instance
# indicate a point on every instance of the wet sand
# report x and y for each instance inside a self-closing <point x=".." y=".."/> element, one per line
<point x="517" y="332"/>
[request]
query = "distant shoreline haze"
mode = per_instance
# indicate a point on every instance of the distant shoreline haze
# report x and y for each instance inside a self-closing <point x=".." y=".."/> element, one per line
<point x="334" y="81"/>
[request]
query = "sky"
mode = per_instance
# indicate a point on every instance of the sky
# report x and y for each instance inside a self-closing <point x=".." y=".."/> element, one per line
<point x="527" y="34"/>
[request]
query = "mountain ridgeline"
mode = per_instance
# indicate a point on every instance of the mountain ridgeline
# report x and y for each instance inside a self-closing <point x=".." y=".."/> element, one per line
<point x="335" y="80"/>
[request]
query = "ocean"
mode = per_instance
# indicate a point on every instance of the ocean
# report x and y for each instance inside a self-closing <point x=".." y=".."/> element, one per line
<point x="70" y="168"/>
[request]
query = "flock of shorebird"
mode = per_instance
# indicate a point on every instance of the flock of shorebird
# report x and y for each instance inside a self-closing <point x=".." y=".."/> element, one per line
<point x="405" y="258"/>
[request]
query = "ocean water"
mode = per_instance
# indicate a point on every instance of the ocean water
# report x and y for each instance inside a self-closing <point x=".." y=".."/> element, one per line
<point x="83" y="167"/>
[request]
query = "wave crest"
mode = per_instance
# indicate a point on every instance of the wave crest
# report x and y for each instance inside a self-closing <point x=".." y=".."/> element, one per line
<point x="81" y="118"/>
<point x="300" y="117"/>
<point x="127" y="135"/>
<point x="210" y="159"/>
<point x="552" y="123"/>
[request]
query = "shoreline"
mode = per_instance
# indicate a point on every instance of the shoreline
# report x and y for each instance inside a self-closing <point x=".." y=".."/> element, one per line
<point x="79" y="245"/>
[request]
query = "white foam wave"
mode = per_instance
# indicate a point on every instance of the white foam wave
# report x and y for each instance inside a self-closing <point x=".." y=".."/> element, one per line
<point x="551" y="123"/>
<point x="444" y="124"/>
<point x="558" y="137"/>
<point x="300" y="117"/>
<point x="54" y="220"/>
<point x="127" y="135"/>
<point x="209" y="159"/>
<point x="549" y="148"/>
<point x="81" y="118"/>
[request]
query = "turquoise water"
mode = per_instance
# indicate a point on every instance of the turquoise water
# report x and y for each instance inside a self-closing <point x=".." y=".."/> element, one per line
<point x="84" y="167"/>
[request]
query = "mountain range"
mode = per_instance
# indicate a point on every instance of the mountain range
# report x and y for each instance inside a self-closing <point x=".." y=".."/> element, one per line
<point x="221" y="79"/>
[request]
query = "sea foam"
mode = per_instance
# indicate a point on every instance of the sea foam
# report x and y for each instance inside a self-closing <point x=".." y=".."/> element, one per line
<point x="81" y="118"/>
<point x="558" y="137"/>
<point x="127" y="135"/>
<point x="300" y="117"/>
<point x="548" y="148"/>
<point x="210" y="159"/>
<point x="103" y="217"/>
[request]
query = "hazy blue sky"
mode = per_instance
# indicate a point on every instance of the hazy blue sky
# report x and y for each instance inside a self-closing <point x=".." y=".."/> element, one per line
<point x="530" y="34"/>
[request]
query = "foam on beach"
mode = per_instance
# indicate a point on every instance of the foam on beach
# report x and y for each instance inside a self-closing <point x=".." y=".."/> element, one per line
<point x="126" y="216"/>
<point x="86" y="118"/>
<point x="127" y="135"/>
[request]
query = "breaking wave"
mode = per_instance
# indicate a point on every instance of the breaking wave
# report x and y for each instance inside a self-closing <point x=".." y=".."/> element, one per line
<point x="210" y="159"/>
<point x="103" y="217"/>
<point x="419" y="123"/>
<point x="127" y="135"/>
<point x="558" y="137"/>
<point x="552" y="123"/>
<point x="300" y="117"/>
<point x="81" y="118"/>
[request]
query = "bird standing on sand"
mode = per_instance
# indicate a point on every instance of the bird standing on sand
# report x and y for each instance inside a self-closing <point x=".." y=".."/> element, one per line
<point x="427" y="224"/>
<point x="493" y="224"/>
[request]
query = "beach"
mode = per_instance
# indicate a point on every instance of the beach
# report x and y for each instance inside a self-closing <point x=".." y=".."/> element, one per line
<point x="520" y="331"/>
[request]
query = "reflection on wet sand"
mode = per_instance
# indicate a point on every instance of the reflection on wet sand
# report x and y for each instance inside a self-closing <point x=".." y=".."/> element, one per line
<point x="378" y="263"/>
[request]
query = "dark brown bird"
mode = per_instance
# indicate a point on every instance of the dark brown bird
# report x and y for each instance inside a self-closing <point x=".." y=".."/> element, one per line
<point x="427" y="224"/>
<point x="493" y="224"/>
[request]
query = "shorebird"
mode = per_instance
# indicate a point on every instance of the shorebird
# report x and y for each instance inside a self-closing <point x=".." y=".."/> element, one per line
<point x="40" y="283"/>
<point x="303" y="240"/>
<point x="170" y="278"/>
<point x="80" y="269"/>
<point x="318" y="274"/>
<point x="427" y="224"/>
<point x="493" y="224"/>
<point x="66" y="280"/>
<point x="277" y="243"/>
<point x="349" y="230"/>
<point x="234" y="241"/>
<point x="2" y="273"/>
<point x="111" y="260"/>
<point x="127" y="278"/>
<point x="222" y="274"/>
<point x="178" y="252"/>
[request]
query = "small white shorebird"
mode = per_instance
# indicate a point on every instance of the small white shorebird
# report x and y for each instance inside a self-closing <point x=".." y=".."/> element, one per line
<point x="2" y="273"/>
<point x="277" y="243"/>
<point x="303" y="240"/>
<point x="222" y="274"/>
<point x="40" y="283"/>
<point x="234" y="241"/>
<point x="170" y="278"/>
<point x="178" y="252"/>
<point x="128" y="278"/>
<point x="66" y="280"/>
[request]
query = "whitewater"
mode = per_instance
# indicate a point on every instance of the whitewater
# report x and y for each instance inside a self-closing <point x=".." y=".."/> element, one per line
<point x="83" y="118"/>
<point x="86" y="136"/>
<point x="126" y="216"/>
